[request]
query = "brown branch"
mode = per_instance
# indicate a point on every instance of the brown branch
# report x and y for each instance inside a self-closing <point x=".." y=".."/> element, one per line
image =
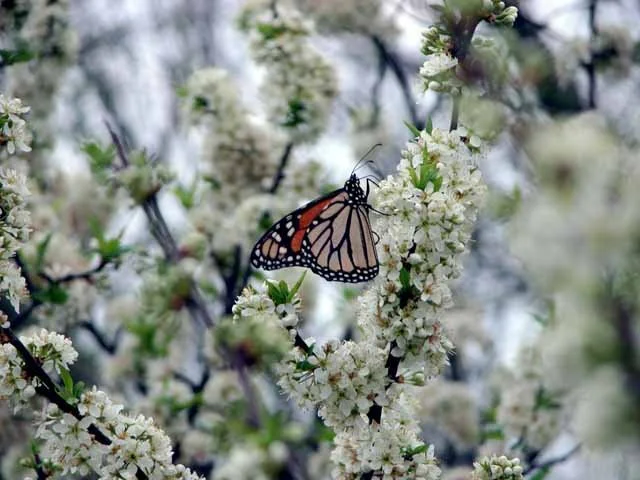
<point x="86" y="275"/>
<point x="392" y="60"/>
<point x="551" y="462"/>
<point x="284" y="160"/>
<point x="590" y="66"/>
<point x="195" y="303"/>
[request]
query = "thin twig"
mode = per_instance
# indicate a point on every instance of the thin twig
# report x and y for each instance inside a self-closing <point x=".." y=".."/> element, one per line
<point x="284" y="160"/>
<point x="552" y="461"/>
<point x="590" y="66"/>
<point x="375" y="92"/>
<point x="86" y="275"/>
<point x="455" y="113"/>
<point x="195" y="303"/>
<point x="110" y="347"/>
<point x="394" y="63"/>
<point x="49" y="389"/>
<point x="42" y="475"/>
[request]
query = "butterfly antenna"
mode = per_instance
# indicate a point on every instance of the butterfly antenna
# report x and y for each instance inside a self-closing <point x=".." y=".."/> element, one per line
<point x="365" y="156"/>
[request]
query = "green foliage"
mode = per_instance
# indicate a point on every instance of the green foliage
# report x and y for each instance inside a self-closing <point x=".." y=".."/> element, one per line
<point x="109" y="249"/>
<point x="100" y="157"/>
<point x="154" y="335"/>
<point x="276" y="427"/>
<point x="546" y="401"/>
<point x="54" y="294"/>
<point x="186" y="195"/>
<point x="270" y="31"/>
<point x="200" y="103"/>
<point x="279" y="291"/>
<point x="427" y="174"/>
<point x="20" y="54"/>
<point x="41" y="252"/>
<point x="541" y="474"/>
<point x="70" y="391"/>
<point x="410" y="452"/>
<point x="412" y="128"/>
<point x="295" y="113"/>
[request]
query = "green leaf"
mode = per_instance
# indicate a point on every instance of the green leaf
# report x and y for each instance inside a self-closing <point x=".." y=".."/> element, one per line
<point x="186" y="195"/>
<point x="276" y="294"/>
<point x="429" y="126"/>
<point x="54" y="294"/>
<point x="295" y="113"/>
<point x="323" y="433"/>
<point x="41" y="252"/>
<point x="297" y="286"/>
<point x="412" y="128"/>
<point x="67" y="380"/>
<point x="416" y="451"/>
<point x="492" y="431"/>
<point x="541" y="474"/>
<point x="20" y="55"/>
<point x="305" y="366"/>
<point x="269" y="31"/>
<point x="405" y="278"/>
<point x="100" y="158"/>
<point x="200" y="103"/>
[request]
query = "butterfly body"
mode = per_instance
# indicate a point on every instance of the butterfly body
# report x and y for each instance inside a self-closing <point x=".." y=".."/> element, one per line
<point x="331" y="236"/>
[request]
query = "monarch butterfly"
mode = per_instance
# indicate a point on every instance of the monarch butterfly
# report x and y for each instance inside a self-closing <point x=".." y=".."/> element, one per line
<point x="331" y="235"/>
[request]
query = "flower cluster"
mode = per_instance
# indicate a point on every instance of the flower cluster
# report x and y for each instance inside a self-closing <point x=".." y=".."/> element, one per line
<point x="450" y="407"/>
<point x="15" y="226"/>
<point x="136" y="445"/>
<point x="52" y="350"/>
<point x="15" y="220"/>
<point x="432" y="204"/>
<point x="260" y="330"/>
<point x="238" y="153"/>
<point x="342" y="379"/>
<point x="366" y="17"/>
<point x="249" y="462"/>
<point x="143" y="177"/>
<point x="14" y="134"/>
<point x="301" y="85"/>
<point x="584" y="217"/>
<point x="392" y="448"/>
<point x="444" y="52"/>
<point x="497" y="468"/>
<point x="530" y="411"/>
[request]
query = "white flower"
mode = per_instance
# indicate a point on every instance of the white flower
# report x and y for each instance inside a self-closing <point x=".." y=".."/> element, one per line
<point x="301" y="85"/>
<point x="438" y="63"/>
<point x="14" y="131"/>
<point x="343" y="381"/>
<point x="497" y="468"/>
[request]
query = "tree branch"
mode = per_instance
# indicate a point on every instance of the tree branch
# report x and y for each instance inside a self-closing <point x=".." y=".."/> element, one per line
<point x="590" y="67"/>
<point x="195" y="303"/>
<point x="394" y="63"/>
<point x="284" y="160"/>
<point x="551" y="462"/>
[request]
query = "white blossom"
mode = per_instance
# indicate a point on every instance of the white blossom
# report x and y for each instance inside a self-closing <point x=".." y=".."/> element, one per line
<point x="301" y="85"/>
<point x="497" y="468"/>
<point x="432" y="202"/>
<point x="14" y="133"/>
<point x="341" y="379"/>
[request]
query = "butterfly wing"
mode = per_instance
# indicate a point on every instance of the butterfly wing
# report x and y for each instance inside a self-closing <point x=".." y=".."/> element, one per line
<point x="340" y="243"/>
<point x="331" y="236"/>
<point x="282" y="245"/>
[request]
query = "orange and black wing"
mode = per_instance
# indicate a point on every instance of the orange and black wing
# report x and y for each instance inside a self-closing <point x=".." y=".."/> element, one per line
<point x="281" y="245"/>
<point x="331" y="236"/>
